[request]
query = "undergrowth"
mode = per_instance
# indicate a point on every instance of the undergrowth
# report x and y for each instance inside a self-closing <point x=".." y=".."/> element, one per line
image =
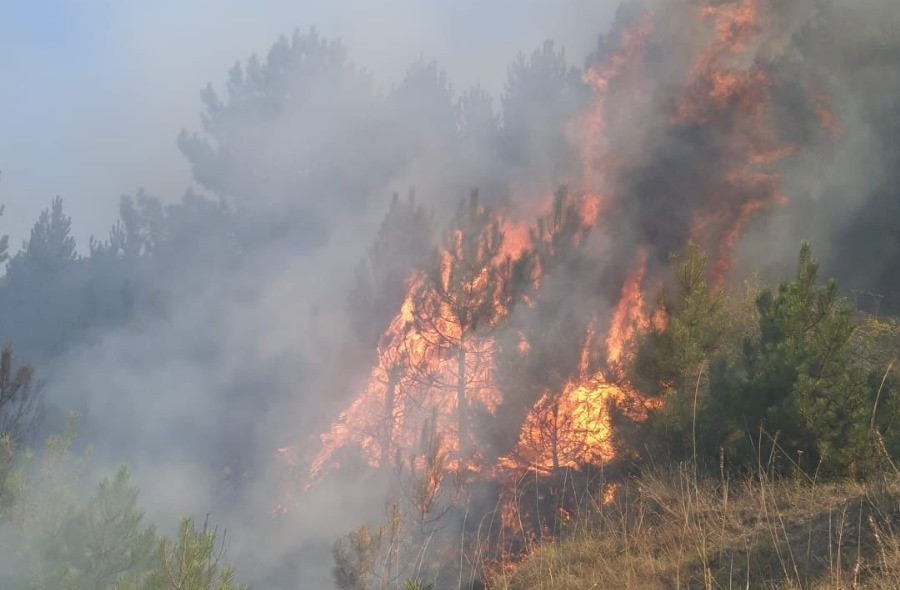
<point x="672" y="529"/>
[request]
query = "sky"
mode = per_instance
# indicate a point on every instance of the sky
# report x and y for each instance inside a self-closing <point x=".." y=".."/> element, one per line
<point x="94" y="92"/>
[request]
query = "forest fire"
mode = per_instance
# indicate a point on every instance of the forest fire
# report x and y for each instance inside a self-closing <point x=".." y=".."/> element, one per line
<point x="435" y="365"/>
<point x="629" y="316"/>
<point x="569" y="429"/>
<point x="435" y="362"/>
<point x="571" y="294"/>
<point x="435" y="382"/>
<point x="589" y="131"/>
<point x="572" y="428"/>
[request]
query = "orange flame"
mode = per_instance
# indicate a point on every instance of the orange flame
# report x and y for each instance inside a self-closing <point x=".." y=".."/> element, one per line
<point x="629" y="317"/>
<point x="572" y="428"/>
<point x="591" y="128"/>
<point x="423" y="359"/>
<point x="413" y="379"/>
<point x="721" y="87"/>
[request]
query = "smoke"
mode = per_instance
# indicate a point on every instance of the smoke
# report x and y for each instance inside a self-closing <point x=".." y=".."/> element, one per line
<point x="252" y="343"/>
<point x="843" y="189"/>
<point x="236" y="360"/>
<point x="99" y="91"/>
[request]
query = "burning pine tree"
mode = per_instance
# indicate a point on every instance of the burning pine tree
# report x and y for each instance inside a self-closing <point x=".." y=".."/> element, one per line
<point x="511" y="345"/>
<point x="436" y="358"/>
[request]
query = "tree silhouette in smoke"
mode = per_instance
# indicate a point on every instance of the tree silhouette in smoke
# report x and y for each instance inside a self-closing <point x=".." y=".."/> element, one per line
<point x="458" y="301"/>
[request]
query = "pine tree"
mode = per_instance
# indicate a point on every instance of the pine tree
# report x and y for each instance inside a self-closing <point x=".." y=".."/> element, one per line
<point x="193" y="561"/>
<point x="459" y="300"/>
<point x="8" y="491"/>
<point x="101" y="546"/>
<point x="543" y="346"/>
<point x="45" y="287"/>
<point x="4" y="242"/>
<point x="876" y="345"/>
<point x="51" y="247"/>
<point x="541" y="95"/>
<point x="20" y="399"/>
<point x="401" y="245"/>
<point x="291" y="141"/>
<point x="356" y="559"/>
<point x="672" y="361"/>
<point x="797" y="384"/>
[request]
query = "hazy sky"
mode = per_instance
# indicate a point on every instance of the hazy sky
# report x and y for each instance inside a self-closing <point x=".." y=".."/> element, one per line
<point x="94" y="92"/>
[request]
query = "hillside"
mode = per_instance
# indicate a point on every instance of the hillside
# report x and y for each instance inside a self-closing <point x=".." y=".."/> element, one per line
<point x="669" y="530"/>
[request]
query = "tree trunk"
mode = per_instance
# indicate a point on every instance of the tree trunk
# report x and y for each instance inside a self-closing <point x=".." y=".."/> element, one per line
<point x="462" y="405"/>
<point x="555" y="436"/>
<point x="387" y="442"/>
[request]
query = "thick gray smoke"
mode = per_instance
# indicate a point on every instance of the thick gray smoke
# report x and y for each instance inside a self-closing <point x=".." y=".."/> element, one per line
<point x="843" y="192"/>
<point x="205" y="333"/>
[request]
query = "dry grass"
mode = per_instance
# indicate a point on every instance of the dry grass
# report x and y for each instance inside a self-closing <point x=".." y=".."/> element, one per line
<point x="671" y="530"/>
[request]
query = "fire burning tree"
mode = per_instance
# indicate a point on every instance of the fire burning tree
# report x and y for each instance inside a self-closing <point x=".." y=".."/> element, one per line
<point x="531" y="327"/>
<point x="459" y="302"/>
<point x="436" y="358"/>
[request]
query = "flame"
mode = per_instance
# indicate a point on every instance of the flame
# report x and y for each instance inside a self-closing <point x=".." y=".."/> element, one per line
<point x="723" y="88"/>
<point x="406" y="387"/>
<point x="572" y="428"/>
<point x="589" y="207"/>
<point x="568" y="430"/>
<point x="629" y="317"/>
<point x="516" y="239"/>
<point x="429" y="366"/>
<point x="413" y="376"/>
<point x="610" y="494"/>
<point x="827" y="117"/>
<point x="590" y="131"/>
<point x="428" y="356"/>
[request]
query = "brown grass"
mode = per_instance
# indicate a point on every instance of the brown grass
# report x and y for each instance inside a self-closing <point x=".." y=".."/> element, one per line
<point x="670" y="529"/>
